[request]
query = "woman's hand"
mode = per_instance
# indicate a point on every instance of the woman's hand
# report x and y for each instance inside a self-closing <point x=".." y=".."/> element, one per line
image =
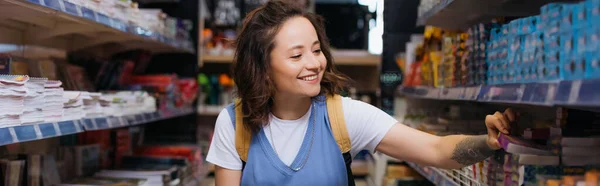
<point x="496" y="123"/>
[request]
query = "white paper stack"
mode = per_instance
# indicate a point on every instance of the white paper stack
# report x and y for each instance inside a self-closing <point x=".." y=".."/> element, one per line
<point x="91" y="104"/>
<point x="34" y="101"/>
<point x="149" y="103"/>
<point x="53" y="101"/>
<point x="12" y="96"/>
<point x="73" y="105"/>
<point x="125" y="103"/>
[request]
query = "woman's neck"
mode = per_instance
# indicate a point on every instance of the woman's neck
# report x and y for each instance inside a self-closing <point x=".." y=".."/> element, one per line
<point x="290" y="107"/>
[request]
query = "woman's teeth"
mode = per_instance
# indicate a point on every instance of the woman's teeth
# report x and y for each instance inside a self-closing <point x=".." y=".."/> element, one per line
<point x="309" y="78"/>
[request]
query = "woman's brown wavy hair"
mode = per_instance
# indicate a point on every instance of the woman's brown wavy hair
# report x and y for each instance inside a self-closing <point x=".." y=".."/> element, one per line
<point x="252" y="60"/>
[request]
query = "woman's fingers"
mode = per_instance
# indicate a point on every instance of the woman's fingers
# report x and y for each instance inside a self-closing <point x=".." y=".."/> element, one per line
<point x="502" y="123"/>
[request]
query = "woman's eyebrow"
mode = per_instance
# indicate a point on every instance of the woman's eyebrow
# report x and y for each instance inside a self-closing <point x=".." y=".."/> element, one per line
<point x="301" y="46"/>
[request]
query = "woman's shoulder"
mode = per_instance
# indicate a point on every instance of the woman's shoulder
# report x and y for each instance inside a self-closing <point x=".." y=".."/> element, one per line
<point x="350" y="105"/>
<point x="224" y="119"/>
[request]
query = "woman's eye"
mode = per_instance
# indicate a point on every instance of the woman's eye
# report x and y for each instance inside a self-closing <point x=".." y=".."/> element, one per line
<point x="296" y="56"/>
<point x="317" y="51"/>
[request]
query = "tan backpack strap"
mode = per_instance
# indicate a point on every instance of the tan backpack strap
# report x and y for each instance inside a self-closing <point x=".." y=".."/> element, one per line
<point x="243" y="135"/>
<point x="338" y="123"/>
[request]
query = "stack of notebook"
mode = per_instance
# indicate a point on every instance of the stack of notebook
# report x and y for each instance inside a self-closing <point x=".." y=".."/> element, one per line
<point x="12" y="96"/>
<point x="91" y="104"/>
<point x="73" y="105"/>
<point x="34" y="101"/>
<point x="53" y="101"/>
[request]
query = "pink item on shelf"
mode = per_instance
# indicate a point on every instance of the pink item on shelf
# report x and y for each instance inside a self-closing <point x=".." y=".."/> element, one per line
<point x="517" y="145"/>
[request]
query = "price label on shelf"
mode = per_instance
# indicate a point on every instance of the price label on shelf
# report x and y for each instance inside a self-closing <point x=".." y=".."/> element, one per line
<point x="156" y="115"/>
<point x="71" y="8"/>
<point x="101" y="18"/>
<point x="115" y="122"/>
<point x="25" y="133"/>
<point x="68" y="127"/>
<point x="102" y="123"/>
<point x="119" y="25"/>
<point x="54" y="4"/>
<point x="88" y="124"/>
<point x="88" y="13"/>
<point x="148" y="116"/>
<point x="47" y="130"/>
<point x="139" y="118"/>
<point x="39" y="2"/>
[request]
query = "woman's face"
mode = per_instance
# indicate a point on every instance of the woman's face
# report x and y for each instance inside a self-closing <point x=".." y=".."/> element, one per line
<point x="296" y="60"/>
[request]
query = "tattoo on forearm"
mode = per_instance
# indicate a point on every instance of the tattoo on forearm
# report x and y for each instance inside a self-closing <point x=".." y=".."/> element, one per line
<point x="471" y="150"/>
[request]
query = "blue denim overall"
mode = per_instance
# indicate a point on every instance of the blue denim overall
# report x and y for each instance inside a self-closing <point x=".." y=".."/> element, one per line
<point x="319" y="161"/>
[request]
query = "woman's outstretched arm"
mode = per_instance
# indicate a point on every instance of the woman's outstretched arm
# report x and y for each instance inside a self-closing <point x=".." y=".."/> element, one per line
<point x="453" y="151"/>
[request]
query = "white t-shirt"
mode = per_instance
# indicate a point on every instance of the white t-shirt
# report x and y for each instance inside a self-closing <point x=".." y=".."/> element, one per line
<point x="367" y="125"/>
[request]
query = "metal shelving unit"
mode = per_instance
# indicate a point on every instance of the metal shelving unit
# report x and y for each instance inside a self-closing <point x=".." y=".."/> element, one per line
<point x="23" y="133"/>
<point x="577" y="93"/>
<point x="63" y="25"/>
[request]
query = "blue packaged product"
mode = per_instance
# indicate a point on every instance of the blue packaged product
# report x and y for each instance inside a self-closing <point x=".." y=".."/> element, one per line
<point x="552" y="72"/>
<point x="567" y="43"/>
<point x="567" y="16"/>
<point x="593" y="65"/>
<point x="551" y="41"/>
<point x="539" y="24"/>
<point x="580" y="18"/>
<point x="592" y="35"/>
<point x="580" y="41"/>
<point x="592" y="11"/>
<point x="573" y="67"/>
<point x="552" y="26"/>
<point x="552" y="57"/>
<point x="551" y="11"/>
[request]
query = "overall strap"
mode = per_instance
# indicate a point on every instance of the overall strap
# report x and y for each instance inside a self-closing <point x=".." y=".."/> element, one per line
<point x="335" y="112"/>
<point x="243" y="135"/>
<point x="338" y="123"/>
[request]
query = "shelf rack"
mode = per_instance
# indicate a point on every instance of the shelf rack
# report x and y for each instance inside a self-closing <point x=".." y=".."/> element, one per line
<point x="434" y="175"/>
<point x="579" y="93"/>
<point x="63" y="25"/>
<point x="342" y="57"/>
<point x="23" y="133"/>
<point x="461" y="14"/>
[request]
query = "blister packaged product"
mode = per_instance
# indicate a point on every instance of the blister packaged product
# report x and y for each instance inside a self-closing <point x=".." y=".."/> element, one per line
<point x="592" y="11"/>
<point x="552" y="57"/>
<point x="592" y="35"/>
<point x="551" y="11"/>
<point x="593" y="64"/>
<point x="552" y="26"/>
<point x="567" y="17"/>
<point x="567" y="42"/>
<point x="573" y="67"/>
<point x="580" y="41"/>
<point x="580" y="18"/>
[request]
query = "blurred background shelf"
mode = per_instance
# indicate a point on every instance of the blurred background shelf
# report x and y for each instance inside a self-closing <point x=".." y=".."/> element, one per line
<point x="461" y="14"/>
<point x="341" y="57"/>
<point x="61" y="24"/>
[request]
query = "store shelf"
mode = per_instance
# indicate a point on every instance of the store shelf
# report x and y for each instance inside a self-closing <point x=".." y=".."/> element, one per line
<point x="434" y="175"/>
<point x="210" y="110"/>
<point x="64" y="25"/>
<point x="578" y="93"/>
<point x="461" y="14"/>
<point x="342" y="57"/>
<point x="23" y="133"/>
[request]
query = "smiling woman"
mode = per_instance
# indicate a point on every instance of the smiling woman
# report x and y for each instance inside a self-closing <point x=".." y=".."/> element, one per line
<point x="289" y="126"/>
<point x="280" y="50"/>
